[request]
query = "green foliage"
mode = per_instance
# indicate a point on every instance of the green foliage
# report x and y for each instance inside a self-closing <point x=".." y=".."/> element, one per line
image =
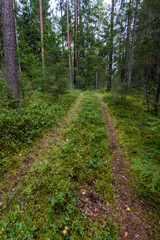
<point x="5" y="98"/>
<point x="21" y="126"/>
<point x="149" y="171"/>
<point x="139" y="133"/>
<point x="49" y="198"/>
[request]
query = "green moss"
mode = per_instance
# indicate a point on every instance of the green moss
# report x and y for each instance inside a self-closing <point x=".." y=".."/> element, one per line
<point x="138" y="133"/>
<point x="20" y="127"/>
<point x="49" y="196"/>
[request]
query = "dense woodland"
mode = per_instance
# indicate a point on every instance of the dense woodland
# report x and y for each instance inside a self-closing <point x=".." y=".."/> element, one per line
<point x="55" y="62"/>
<point x="98" y="47"/>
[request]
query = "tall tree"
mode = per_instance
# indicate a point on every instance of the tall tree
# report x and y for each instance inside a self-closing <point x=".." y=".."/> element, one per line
<point x="9" y="42"/>
<point x="42" y="42"/>
<point x="76" y="45"/>
<point x="111" y="49"/>
<point x="130" y="64"/>
<point x="68" y="40"/>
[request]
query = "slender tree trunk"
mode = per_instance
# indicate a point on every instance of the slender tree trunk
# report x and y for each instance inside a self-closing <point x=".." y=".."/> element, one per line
<point x="68" y="40"/>
<point x="17" y="41"/>
<point x="158" y="90"/>
<point x="111" y="50"/>
<point x="98" y="38"/>
<point x="19" y="61"/>
<point x="76" y="46"/>
<point x="42" y="42"/>
<point x="96" y="86"/>
<point x="132" y="49"/>
<point x="128" y="51"/>
<point x="62" y="26"/>
<point x="8" y="23"/>
<point x="1" y="41"/>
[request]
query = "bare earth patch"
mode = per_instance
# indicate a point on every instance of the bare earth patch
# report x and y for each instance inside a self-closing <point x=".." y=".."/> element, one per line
<point x="92" y="204"/>
<point x="128" y="210"/>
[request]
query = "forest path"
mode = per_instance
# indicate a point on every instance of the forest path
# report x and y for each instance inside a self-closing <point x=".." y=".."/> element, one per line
<point x="128" y="210"/>
<point x="43" y="146"/>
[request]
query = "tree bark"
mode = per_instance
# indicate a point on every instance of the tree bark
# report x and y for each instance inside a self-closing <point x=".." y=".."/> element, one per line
<point x="109" y="85"/>
<point x="42" y="41"/>
<point x="158" y="91"/>
<point x="68" y="40"/>
<point x="76" y="46"/>
<point x="8" y="23"/>
<point x="128" y="51"/>
<point x="132" y="48"/>
<point x="62" y="26"/>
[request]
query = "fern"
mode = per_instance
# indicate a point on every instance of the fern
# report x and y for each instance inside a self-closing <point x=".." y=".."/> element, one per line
<point x="149" y="173"/>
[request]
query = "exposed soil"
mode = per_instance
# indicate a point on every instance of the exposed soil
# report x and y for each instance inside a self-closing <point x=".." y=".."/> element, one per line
<point x="92" y="204"/>
<point x="128" y="210"/>
<point x="43" y="146"/>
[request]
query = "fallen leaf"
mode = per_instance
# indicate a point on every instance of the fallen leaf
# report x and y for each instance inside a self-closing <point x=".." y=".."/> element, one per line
<point x="125" y="234"/>
<point x="67" y="218"/>
<point x="124" y="177"/>
<point x="66" y="228"/>
<point x="64" y="232"/>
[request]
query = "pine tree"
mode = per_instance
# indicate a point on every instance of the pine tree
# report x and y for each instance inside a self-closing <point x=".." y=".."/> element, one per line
<point x="9" y="42"/>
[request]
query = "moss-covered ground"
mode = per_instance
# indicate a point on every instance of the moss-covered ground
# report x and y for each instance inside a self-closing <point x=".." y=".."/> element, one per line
<point x="20" y="127"/>
<point x="53" y="199"/>
<point x="138" y="133"/>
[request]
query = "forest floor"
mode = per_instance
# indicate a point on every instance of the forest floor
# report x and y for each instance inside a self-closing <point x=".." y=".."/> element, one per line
<point x="74" y="183"/>
<point x="131" y="210"/>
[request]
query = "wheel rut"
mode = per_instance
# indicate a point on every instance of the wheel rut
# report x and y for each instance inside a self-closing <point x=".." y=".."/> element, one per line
<point x="128" y="210"/>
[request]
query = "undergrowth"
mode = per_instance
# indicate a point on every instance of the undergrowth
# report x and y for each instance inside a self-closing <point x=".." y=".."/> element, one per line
<point x="47" y="205"/>
<point x="139" y="134"/>
<point x="21" y="126"/>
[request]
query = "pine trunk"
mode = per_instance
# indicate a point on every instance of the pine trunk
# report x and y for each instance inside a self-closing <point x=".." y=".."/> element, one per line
<point x="111" y="50"/>
<point x="76" y="48"/>
<point x="128" y="51"/>
<point x="132" y="49"/>
<point x="9" y="41"/>
<point x="42" y="42"/>
<point x="68" y="40"/>
<point x="62" y="26"/>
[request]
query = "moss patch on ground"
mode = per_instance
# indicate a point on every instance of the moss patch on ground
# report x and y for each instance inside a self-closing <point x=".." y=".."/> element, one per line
<point x="138" y="133"/>
<point x="46" y="203"/>
<point x="19" y="128"/>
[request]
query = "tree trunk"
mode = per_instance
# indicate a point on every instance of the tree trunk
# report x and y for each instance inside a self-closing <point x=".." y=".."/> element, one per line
<point x="9" y="41"/>
<point x="69" y="55"/>
<point x="132" y="49"/>
<point x="128" y="51"/>
<point x="158" y="91"/>
<point x="76" y="47"/>
<point x="111" y="50"/>
<point x="62" y="26"/>
<point x="42" y="42"/>
<point x="17" y="42"/>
